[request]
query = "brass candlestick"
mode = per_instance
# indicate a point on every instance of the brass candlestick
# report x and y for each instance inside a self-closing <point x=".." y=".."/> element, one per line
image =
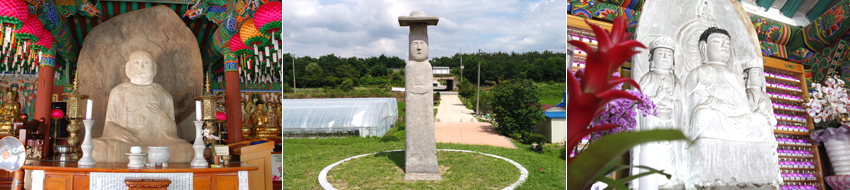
<point x="75" y="114"/>
<point x="208" y="110"/>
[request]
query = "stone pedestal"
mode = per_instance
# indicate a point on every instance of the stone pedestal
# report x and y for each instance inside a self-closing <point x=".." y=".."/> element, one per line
<point x="420" y="144"/>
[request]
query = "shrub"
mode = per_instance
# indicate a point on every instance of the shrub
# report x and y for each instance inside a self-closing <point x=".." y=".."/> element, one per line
<point x="516" y="107"/>
<point x="466" y="89"/>
<point x="285" y="87"/>
<point x="536" y="138"/>
<point x="390" y="138"/>
<point x="564" y="153"/>
<point x="347" y="85"/>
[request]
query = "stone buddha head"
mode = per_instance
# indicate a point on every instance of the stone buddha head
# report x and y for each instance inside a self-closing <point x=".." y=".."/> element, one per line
<point x="715" y="46"/>
<point x="418" y="50"/>
<point x="754" y="77"/>
<point x="661" y="54"/>
<point x="140" y="67"/>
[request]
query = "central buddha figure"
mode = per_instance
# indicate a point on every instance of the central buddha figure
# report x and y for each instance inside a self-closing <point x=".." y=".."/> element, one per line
<point x="139" y="113"/>
<point x="733" y="145"/>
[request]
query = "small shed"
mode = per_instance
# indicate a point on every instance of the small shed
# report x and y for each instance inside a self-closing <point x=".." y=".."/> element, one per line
<point x="555" y="125"/>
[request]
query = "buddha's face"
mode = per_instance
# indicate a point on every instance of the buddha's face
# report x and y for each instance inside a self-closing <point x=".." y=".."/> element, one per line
<point x="717" y="48"/>
<point x="418" y="50"/>
<point x="662" y="59"/>
<point x="140" y="68"/>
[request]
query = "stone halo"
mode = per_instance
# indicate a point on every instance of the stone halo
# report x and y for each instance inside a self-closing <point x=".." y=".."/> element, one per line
<point x="523" y="173"/>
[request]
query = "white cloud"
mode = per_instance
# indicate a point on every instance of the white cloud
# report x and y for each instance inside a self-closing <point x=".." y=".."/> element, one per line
<point x="370" y="27"/>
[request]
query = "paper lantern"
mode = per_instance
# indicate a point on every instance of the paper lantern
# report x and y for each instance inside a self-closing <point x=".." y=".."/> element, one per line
<point x="13" y="12"/>
<point x="221" y="116"/>
<point x="57" y="113"/>
<point x="250" y="35"/>
<point x="237" y="46"/>
<point x="30" y="28"/>
<point x="267" y="17"/>
<point x="45" y="40"/>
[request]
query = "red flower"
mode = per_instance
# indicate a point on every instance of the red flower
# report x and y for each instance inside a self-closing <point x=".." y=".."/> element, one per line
<point x="588" y="98"/>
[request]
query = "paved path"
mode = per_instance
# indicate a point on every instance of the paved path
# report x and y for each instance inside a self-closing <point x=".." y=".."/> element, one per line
<point x="455" y="124"/>
<point x="452" y="110"/>
<point x="478" y="133"/>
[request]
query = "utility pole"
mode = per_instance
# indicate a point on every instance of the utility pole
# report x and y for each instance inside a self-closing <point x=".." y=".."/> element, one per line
<point x="293" y="71"/>
<point x="478" y="92"/>
<point x="461" y="65"/>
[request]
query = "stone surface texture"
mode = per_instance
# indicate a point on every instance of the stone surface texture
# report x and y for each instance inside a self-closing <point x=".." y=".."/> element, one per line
<point x="158" y="30"/>
<point x="420" y="142"/>
<point x="734" y="145"/>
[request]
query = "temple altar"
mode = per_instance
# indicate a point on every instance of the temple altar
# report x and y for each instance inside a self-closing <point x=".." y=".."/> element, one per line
<point x="68" y="175"/>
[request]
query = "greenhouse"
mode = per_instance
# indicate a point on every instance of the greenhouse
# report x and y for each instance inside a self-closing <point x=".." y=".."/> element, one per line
<point x="338" y="116"/>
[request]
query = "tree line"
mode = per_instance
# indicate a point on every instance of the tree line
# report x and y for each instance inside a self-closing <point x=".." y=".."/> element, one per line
<point x="331" y="70"/>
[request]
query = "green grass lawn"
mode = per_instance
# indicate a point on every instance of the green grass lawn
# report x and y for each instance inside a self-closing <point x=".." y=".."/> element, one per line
<point x="550" y="101"/>
<point x="455" y="168"/>
<point x="305" y="158"/>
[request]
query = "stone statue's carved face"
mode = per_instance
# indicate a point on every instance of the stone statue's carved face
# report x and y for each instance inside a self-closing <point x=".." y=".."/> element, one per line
<point x="717" y="48"/>
<point x="755" y="77"/>
<point x="140" y="68"/>
<point x="662" y="59"/>
<point x="418" y="50"/>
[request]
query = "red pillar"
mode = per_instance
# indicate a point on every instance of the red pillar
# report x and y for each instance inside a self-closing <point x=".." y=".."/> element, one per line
<point x="233" y="103"/>
<point x="44" y="101"/>
<point x="44" y="94"/>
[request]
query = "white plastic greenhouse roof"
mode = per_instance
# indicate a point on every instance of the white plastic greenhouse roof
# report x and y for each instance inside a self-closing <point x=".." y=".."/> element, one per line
<point x="374" y="114"/>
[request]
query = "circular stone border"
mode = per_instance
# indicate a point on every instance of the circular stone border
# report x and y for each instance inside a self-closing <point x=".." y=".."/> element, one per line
<point x="323" y="176"/>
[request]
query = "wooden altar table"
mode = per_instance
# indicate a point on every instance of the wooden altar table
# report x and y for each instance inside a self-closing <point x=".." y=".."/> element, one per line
<point x="67" y="175"/>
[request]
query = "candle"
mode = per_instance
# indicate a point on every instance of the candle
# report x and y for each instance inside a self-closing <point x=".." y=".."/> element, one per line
<point x="198" y="110"/>
<point x="88" y="109"/>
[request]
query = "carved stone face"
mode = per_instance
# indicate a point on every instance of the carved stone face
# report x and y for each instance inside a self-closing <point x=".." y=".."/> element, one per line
<point x="140" y="68"/>
<point x="755" y="77"/>
<point x="662" y="59"/>
<point x="717" y="48"/>
<point x="418" y="50"/>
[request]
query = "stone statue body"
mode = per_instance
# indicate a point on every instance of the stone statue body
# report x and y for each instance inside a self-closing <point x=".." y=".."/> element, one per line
<point x="732" y="144"/>
<point x="419" y="89"/>
<point x="664" y="89"/>
<point x="759" y="102"/>
<point x="139" y="113"/>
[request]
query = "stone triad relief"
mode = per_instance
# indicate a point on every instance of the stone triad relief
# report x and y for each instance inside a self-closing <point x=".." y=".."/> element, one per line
<point x="701" y="66"/>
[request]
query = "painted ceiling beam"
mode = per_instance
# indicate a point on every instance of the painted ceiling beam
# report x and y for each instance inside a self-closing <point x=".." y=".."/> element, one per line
<point x="764" y="4"/>
<point x="818" y="9"/>
<point x="791" y="7"/>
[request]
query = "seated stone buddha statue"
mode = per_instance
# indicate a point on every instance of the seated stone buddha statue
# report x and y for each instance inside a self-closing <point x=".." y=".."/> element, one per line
<point x="139" y="113"/>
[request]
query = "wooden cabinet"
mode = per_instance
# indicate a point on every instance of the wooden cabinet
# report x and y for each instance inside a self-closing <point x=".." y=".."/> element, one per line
<point x="69" y="176"/>
<point x="786" y="86"/>
<point x="258" y="155"/>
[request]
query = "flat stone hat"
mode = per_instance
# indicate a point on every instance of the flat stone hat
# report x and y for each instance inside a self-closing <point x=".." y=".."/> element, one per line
<point x="417" y="17"/>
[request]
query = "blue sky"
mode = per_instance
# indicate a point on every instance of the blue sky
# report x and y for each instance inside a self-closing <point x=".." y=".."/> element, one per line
<point x="366" y="28"/>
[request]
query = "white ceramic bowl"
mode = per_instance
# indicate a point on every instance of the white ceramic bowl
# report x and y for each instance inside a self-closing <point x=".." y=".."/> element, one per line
<point x="136" y="149"/>
<point x="158" y="154"/>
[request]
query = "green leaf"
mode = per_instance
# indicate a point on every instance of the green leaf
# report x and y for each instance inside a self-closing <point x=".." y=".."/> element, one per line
<point x="591" y="162"/>
<point x="650" y="172"/>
